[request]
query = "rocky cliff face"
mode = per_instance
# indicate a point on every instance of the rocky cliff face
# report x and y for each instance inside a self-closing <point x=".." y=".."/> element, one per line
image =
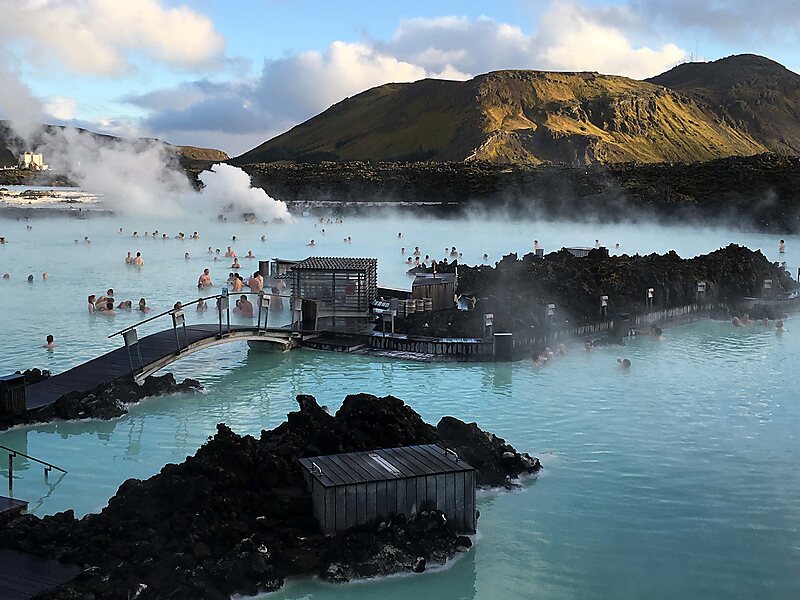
<point x="753" y="94"/>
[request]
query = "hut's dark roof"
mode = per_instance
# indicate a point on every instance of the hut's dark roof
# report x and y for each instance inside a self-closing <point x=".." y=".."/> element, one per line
<point x="430" y="279"/>
<point x="383" y="464"/>
<point x="335" y="263"/>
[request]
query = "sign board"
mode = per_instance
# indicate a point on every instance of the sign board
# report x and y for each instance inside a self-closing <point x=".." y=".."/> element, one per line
<point x="130" y="337"/>
<point x="178" y="318"/>
<point x="224" y="291"/>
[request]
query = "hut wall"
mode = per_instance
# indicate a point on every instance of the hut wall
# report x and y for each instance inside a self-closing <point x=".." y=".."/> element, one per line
<point x="342" y="507"/>
<point x="441" y="294"/>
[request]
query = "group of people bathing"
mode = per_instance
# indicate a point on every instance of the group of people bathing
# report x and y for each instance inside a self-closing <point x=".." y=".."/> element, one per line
<point x="237" y="284"/>
<point x="105" y="304"/>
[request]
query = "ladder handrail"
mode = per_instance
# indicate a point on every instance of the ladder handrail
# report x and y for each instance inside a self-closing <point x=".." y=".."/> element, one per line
<point x="13" y="452"/>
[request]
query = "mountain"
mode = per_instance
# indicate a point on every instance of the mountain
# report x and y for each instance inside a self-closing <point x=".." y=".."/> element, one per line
<point x="11" y="145"/>
<point x="514" y="116"/>
<point x="754" y="94"/>
<point x="737" y="106"/>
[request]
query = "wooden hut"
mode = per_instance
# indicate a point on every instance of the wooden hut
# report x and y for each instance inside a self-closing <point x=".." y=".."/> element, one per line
<point x="439" y="287"/>
<point x="341" y="287"/>
<point x="358" y="488"/>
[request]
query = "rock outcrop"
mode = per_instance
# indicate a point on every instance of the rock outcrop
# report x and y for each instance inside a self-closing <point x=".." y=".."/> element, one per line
<point x="518" y="290"/>
<point x="236" y="516"/>
<point x="106" y="401"/>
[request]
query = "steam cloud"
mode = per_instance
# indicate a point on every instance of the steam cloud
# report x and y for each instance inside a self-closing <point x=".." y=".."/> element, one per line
<point x="139" y="177"/>
<point x="226" y="185"/>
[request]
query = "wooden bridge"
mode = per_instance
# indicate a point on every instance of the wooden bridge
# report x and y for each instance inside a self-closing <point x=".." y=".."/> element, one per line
<point x="145" y="356"/>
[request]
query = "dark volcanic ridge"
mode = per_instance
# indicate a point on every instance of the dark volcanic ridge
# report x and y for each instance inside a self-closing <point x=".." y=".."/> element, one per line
<point x="756" y="192"/>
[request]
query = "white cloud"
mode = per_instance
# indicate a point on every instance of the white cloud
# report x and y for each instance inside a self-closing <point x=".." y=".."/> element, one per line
<point x="567" y="36"/>
<point x="300" y="85"/>
<point x="61" y="107"/>
<point x="92" y="37"/>
<point x="569" y="39"/>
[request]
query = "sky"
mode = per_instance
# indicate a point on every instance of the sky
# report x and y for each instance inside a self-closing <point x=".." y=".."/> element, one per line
<point x="231" y="75"/>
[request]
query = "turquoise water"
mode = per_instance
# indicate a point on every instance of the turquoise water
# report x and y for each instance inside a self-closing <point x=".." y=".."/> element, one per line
<point x="678" y="479"/>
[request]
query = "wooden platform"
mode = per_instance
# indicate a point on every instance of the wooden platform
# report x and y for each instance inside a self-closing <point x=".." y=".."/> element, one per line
<point x="23" y="576"/>
<point x="12" y="504"/>
<point x="157" y="350"/>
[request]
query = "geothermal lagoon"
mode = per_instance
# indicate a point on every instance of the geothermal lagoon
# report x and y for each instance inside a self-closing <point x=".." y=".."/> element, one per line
<point x="677" y="478"/>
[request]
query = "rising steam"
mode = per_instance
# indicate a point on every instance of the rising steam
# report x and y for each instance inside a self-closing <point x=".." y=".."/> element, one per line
<point x="227" y="186"/>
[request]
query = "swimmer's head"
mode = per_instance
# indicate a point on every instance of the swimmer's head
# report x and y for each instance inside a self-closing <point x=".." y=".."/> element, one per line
<point x="624" y="363"/>
<point x="30" y="278"/>
<point x="50" y="339"/>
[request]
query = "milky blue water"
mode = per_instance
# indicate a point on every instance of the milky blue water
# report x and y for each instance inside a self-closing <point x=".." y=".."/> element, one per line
<point x="678" y="479"/>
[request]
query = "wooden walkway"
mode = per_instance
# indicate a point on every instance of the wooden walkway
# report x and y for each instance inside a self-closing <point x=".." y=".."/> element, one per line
<point x="11" y="504"/>
<point x="23" y="576"/>
<point x="157" y="350"/>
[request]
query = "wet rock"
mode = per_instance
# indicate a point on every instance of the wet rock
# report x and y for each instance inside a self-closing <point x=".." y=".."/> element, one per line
<point x="107" y="401"/>
<point x="463" y="543"/>
<point x="236" y="518"/>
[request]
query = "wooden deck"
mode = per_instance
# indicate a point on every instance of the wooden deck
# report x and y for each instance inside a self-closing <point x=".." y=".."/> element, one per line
<point x="11" y="504"/>
<point x="23" y="576"/>
<point x="157" y="351"/>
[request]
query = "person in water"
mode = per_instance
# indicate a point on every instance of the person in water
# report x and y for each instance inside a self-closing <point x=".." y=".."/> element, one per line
<point x="201" y="305"/>
<point x="108" y="309"/>
<point x="229" y="253"/>
<point x="624" y="363"/>
<point x="782" y="247"/>
<point x="250" y="254"/>
<point x="204" y="279"/>
<point x="30" y="278"/>
<point x="275" y="301"/>
<point x="779" y="326"/>
<point x="244" y="308"/>
<point x="186" y="255"/>
<point x="311" y="243"/>
<point x="256" y="282"/>
<point x="50" y="342"/>
<point x="237" y="283"/>
<point x="91" y="300"/>
<point x="138" y="261"/>
<point x="236" y="264"/>
<point x="143" y="308"/>
<point x="6" y="275"/>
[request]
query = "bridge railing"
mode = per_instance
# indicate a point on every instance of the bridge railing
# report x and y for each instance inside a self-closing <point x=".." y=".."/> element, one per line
<point x="221" y="303"/>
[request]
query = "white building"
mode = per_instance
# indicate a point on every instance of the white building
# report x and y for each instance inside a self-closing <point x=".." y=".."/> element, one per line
<point x="32" y="162"/>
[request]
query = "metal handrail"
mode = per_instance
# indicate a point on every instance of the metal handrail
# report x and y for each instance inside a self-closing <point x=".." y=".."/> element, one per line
<point x="18" y="453"/>
<point x="184" y="305"/>
<point x="13" y="453"/>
